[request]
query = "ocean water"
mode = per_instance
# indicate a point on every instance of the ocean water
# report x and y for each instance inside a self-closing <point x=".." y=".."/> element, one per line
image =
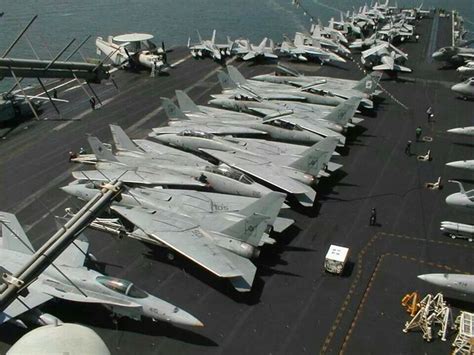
<point x="171" y="21"/>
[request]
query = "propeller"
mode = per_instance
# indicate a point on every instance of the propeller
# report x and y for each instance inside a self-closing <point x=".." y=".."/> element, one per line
<point x="130" y="60"/>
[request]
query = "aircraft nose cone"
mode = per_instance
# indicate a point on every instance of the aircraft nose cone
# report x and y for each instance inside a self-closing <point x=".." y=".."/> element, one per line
<point x="436" y="55"/>
<point x="339" y="59"/>
<point x="422" y="277"/>
<point x="163" y="138"/>
<point x="217" y="102"/>
<point x="450" y="200"/>
<point x="435" y="279"/>
<point x="259" y="77"/>
<point x="454" y="130"/>
<point x="456" y="164"/>
<point x="454" y="200"/>
<point x="70" y="190"/>
<point x="456" y="87"/>
<point x="185" y="319"/>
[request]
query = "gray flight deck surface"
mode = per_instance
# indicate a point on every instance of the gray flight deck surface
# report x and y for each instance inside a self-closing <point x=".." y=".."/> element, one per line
<point x="294" y="306"/>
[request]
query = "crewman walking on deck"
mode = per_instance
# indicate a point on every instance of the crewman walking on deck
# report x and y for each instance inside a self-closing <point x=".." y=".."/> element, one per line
<point x="418" y="133"/>
<point x="408" y="148"/>
<point x="373" y="217"/>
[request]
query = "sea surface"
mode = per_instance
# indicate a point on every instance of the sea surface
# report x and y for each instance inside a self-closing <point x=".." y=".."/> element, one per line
<point x="171" y="21"/>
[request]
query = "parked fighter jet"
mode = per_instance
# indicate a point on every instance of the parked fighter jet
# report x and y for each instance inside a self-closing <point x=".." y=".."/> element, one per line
<point x="134" y="50"/>
<point x="346" y="26"/>
<point x="461" y="199"/>
<point x="363" y="90"/>
<point x="198" y="204"/>
<point x="248" y="51"/>
<point x="364" y="19"/>
<point x="297" y="49"/>
<point x="135" y="170"/>
<point x="465" y="89"/>
<point x="462" y="164"/>
<point x="466" y="131"/>
<point x="295" y="78"/>
<point x="319" y="120"/>
<point x="280" y="154"/>
<point x="385" y="57"/>
<point x="236" y="86"/>
<point x="224" y="122"/>
<point x="268" y="91"/>
<point x="138" y="169"/>
<point x="290" y="114"/>
<point x="454" y="55"/>
<point x="461" y="283"/>
<point x="210" y="48"/>
<point x="398" y="31"/>
<point x="330" y="32"/>
<point x="293" y="178"/>
<point x="68" y="279"/>
<point x="125" y="146"/>
<point x="195" y="141"/>
<point x="385" y="7"/>
<point x="329" y="40"/>
<point x="224" y="250"/>
<point x="364" y="43"/>
<point x="372" y="12"/>
<point x="302" y="166"/>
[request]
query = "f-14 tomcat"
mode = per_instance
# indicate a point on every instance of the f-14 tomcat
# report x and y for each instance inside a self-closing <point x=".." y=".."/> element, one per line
<point x="134" y="50"/>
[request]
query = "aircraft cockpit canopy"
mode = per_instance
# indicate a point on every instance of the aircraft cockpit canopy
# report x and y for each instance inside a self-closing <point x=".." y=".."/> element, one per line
<point x="121" y="286"/>
<point x="230" y="173"/>
<point x="287" y="125"/>
<point x="195" y="133"/>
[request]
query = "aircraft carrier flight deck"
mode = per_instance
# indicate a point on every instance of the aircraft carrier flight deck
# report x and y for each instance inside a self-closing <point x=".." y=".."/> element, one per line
<point x="294" y="306"/>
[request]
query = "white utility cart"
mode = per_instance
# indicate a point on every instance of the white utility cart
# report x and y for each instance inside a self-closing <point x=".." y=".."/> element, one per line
<point x="336" y="259"/>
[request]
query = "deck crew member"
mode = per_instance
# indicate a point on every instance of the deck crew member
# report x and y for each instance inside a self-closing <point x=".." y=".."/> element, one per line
<point x="373" y="217"/>
<point x="418" y="133"/>
<point x="408" y="148"/>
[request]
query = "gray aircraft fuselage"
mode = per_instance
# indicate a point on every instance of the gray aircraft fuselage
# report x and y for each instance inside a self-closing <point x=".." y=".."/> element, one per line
<point x="312" y="114"/>
<point x="212" y="211"/>
<point x="196" y="144"/>
<point x="122" y="296"/>
<point x="457" y="282"/>
<point x="465" y="89"/>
